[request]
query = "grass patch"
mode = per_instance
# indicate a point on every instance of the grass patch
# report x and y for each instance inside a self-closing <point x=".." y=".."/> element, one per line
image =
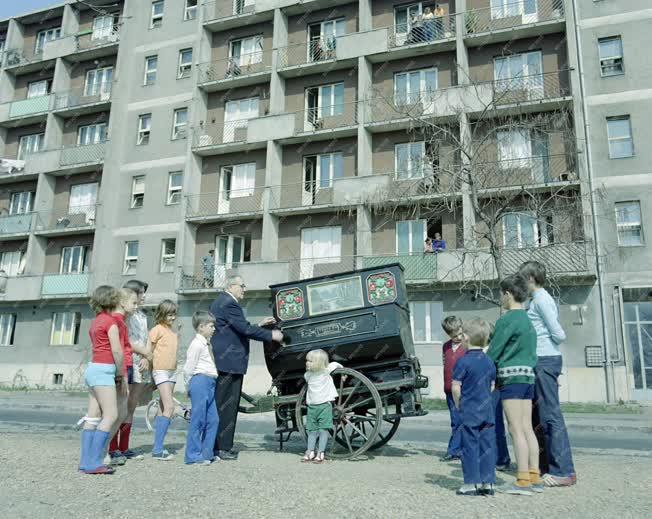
<point x="434" y="404"/>
<point x="439" y="404"/>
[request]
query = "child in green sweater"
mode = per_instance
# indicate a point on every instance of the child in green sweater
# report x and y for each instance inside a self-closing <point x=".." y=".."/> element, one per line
<point x="513" y="348"/>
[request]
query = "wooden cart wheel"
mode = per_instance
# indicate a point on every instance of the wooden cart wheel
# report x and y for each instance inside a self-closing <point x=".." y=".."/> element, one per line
<point x="354" y="429"/>
<point x="387" y="431"/>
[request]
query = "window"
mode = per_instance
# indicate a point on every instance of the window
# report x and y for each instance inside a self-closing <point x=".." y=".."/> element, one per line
<point x="236" y="116"/>
<point x="103" y="28"/>
<point x="74" y="260"/>
<point x="403" y="17"/>
<point x="144" y="125"/>
<point x="322" y="38"/>
<point x="83" y="199"/>
<point x="168" y="254"/>
<point x="409" y="160"/>
<point x="619" y="135"/>
<point x="425" y="320"/>
<point x="30" y="144"/>
<point x="628" y="223"/>
<point x="410" y="236"/>
<point x="244" y="53"/>
<point x="523" y="230"/>
<point x="10" y="262"/>
<point x="131" y="258"/>
<point x="321" y="170"/>
<point x="243" y="6"/>
<point x="91" y="134"/>
<point x="44" y="36"/>
<point x="39" y="88"/>
<point x="611" y="56"/>
<point x="180" y="124"/>
<point x="138" y="192"/>
<point x="323" y="101"/>
<point x="232" y="249"/>
<point x="57" y="379"/>
<point x="175" y="183"/>
<point x="157" y="14"/>
<point x="319" y="245"/>
<point x="99" y="82"/>
<point x="21" y="202"/>
<point x="190" y="10"/>
<point x="238" y="181"/>
<point x="520" y="72"/>
<point x="7" y="328"/>
<point x="185" y="63"/>
<point x="151" y="64"/>
<point x="411" y="87"/>
<point x="65" y="328"/>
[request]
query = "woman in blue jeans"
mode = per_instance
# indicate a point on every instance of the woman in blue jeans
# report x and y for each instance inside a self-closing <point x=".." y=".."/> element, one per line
<point x="548" y="421"/>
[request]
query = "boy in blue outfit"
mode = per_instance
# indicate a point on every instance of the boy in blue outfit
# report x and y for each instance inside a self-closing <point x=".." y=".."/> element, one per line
<point x="474" y="377"/>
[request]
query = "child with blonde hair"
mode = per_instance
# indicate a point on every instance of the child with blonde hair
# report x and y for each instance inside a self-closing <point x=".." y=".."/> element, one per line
<point x="320" y="396"/>
<point x="163" y="343"/>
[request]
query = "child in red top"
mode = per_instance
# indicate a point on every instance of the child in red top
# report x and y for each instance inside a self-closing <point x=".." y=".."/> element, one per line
<point x="102" y="375"/>
<point x="452" y="351"/>
<point x="120" y="430"/>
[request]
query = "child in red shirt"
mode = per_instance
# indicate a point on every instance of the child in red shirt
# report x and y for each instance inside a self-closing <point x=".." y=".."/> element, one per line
<point x="452" y="351"/>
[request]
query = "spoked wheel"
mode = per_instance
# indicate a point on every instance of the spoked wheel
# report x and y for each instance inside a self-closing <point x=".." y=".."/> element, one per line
<point x="387" y="430"/>
<point x="150" y="414"/>
<point x="354" y="428"/>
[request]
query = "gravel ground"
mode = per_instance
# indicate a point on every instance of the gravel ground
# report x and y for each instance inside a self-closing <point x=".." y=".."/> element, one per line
<point x="401" y="481"/>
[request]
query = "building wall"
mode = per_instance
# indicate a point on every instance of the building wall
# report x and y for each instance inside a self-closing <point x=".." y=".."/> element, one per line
<point x="55" y="246"/>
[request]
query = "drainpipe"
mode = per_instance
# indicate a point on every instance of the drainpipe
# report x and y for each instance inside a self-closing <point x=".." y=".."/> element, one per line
<point x="609" y="366"/>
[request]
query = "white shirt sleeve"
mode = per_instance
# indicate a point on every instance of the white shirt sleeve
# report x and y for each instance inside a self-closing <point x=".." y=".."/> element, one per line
<point x="192" y="358"/>
<point x="333" y="366"/>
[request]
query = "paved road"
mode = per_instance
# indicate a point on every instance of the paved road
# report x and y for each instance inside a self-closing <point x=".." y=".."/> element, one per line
<point x="263" y="425"/>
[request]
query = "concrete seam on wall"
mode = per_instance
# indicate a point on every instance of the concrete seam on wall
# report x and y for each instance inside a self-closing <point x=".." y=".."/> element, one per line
<point x="620" y="97"/>
<point x="131" y="231"/>
<point x="151" y="164"/>
<point x="161" y="101"/>
<point x="615" y="19"/>
<point x="166" y="43"/>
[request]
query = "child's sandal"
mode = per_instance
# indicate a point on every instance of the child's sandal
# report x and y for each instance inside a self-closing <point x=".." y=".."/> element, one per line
<point x="308" y="457"/>
<point x="319" y="458"/>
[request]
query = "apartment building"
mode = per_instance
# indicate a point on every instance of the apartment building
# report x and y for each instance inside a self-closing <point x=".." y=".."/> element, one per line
<point x="298" y="139"/>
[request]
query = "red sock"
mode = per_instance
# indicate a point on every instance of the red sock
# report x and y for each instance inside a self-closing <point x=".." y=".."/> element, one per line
<point x="113" y="446"/>
<point x="125" y="430"/>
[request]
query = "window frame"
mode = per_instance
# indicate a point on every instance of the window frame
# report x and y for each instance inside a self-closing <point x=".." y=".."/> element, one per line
<point x="18" y="207"/>
<point x="172" y="191"/>
<point x="11" y="268"/>
<point x="180" y="130"/>
<point x="40" y="138"/>
<point x="7" y="329"/>
<point x="187" y="8"/>
<point x="629" y="226"/>
<point x="130" y="262"/>
<point x="137" y="194"/>
<point x="614" y="58"/>
<point x="166" y="257"/>
<point x="74" y="323"/>
<point x="415" y="246"/>
<point x="421" y="169"/>
<point x="184" y="71"/>
<point x="429" y="328"/>
<point x="39" y="45"/>
<point x="48" y="88"/>
<point x="147" y="71"/>
<point x="322" y="179"/>
<point x="243" y="169"/>
<point x="144" y="133"/>
<point x="82" y="261"/>
<point x="627" y="118"/>
<point x="98" y="130"/>
<point x="156" y="20"/>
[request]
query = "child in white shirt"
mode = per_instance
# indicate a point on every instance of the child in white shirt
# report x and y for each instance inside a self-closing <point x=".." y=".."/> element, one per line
<point x="319" y="397"/>
<point x="201" y="376"/>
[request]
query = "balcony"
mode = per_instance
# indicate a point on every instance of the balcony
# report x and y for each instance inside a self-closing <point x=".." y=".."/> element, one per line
<point x="419" y="267"/>
<point x="85" y="100"/>
<point x="538" y="89"/>
<point x="518" y="19"/>
<point x="65" y="285"/>
<point x="221" y="15"/>
<point x="79" y="219"/>
<point x="22" y="288"/>
<point x="560" y="259"/>
<point x="237" y="71"/>
<point x="215" y="139"/>
<point x="18" y="61"/>
<point x="208" y="207"/>
<point x="94" y="44"/>
<point x="16" y="226"/>
<point x="527" y="171"/>
<point x="83" y="155"/>
<point x="325" y="122"/>
<point x="424" y="35"/>
<point x="316" y="56"/>
<point x="33" y="106"/>
<point x="258" y="275"/>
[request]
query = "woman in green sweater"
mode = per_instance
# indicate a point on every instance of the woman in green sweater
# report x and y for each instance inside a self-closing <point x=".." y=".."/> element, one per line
<point x="513" y="348"/>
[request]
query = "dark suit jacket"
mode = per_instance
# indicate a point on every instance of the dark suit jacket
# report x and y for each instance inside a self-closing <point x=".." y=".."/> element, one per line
<point x="232" y="333"/>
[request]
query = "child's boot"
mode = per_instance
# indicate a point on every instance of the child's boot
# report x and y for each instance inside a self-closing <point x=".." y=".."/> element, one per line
<point x="161" y="424"/>
<point x="86" y="445"/>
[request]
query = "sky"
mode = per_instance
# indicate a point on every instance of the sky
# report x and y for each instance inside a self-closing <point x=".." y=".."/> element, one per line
<point x="10" y="8"/>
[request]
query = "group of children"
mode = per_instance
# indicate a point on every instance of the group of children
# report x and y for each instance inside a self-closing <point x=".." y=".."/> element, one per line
<point x="125" y="354"/>
<point x="488" y="369"/>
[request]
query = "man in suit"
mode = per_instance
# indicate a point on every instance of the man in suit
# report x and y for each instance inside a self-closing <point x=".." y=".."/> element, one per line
<point x="230" y="344"/>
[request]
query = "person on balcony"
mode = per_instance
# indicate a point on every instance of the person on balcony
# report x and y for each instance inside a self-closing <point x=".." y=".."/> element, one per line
<point x="429" y="24"/>
<point x="438" y="244"/>
<point x="416" y="29"/>
<point x="439" y="22"/>
<point x="208" y="268"/>
<point x="427" y="247"/>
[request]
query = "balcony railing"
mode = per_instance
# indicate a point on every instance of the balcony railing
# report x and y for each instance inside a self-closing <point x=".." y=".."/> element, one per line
<point x="16" y="223"/>
<point x="421" y="32"/>
<point x="236" y="66"/>
<point x="559" y="258"/>
<point x="302" y="194"/>
<point x="18" y="56"/>
<point x="31" y="106"/>
<point x="84" y="154"/>
<point x="537" y="87"/>
<point x="513" y="14"/>
<point x="389" y="106"/>
<point x="258" y="275"/>
<point x="207" y="135"/>
<point x="87" y="95"/>
<point x="316" y="50"/>
<point x="326" y="117"/>
<point x="61" y="285"/>
<point x="227" y="8"/>
<point x="93" y="39"/>
<point x="235" y="201"/>
<point x="541" y="169"/>
<point x="71" y="218"/>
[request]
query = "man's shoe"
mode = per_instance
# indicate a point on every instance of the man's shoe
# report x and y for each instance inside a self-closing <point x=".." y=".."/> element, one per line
<point x="448" y="457"/>
<point x="227" y="455"/>
<point x="162" y="456"/>
<point x="558" y="481"/>
<point x="515" y="490"/>
<point x="468" y="490"/>
<point x="132" y="455"/>
<point x="117" y="458"/>
<point x="487" y="489"/>
<point x="507" y="467"/>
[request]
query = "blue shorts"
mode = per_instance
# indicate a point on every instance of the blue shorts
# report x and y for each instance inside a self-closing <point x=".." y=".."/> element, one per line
<point x="517" y="392"/>
<point x="100" y="374"/>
